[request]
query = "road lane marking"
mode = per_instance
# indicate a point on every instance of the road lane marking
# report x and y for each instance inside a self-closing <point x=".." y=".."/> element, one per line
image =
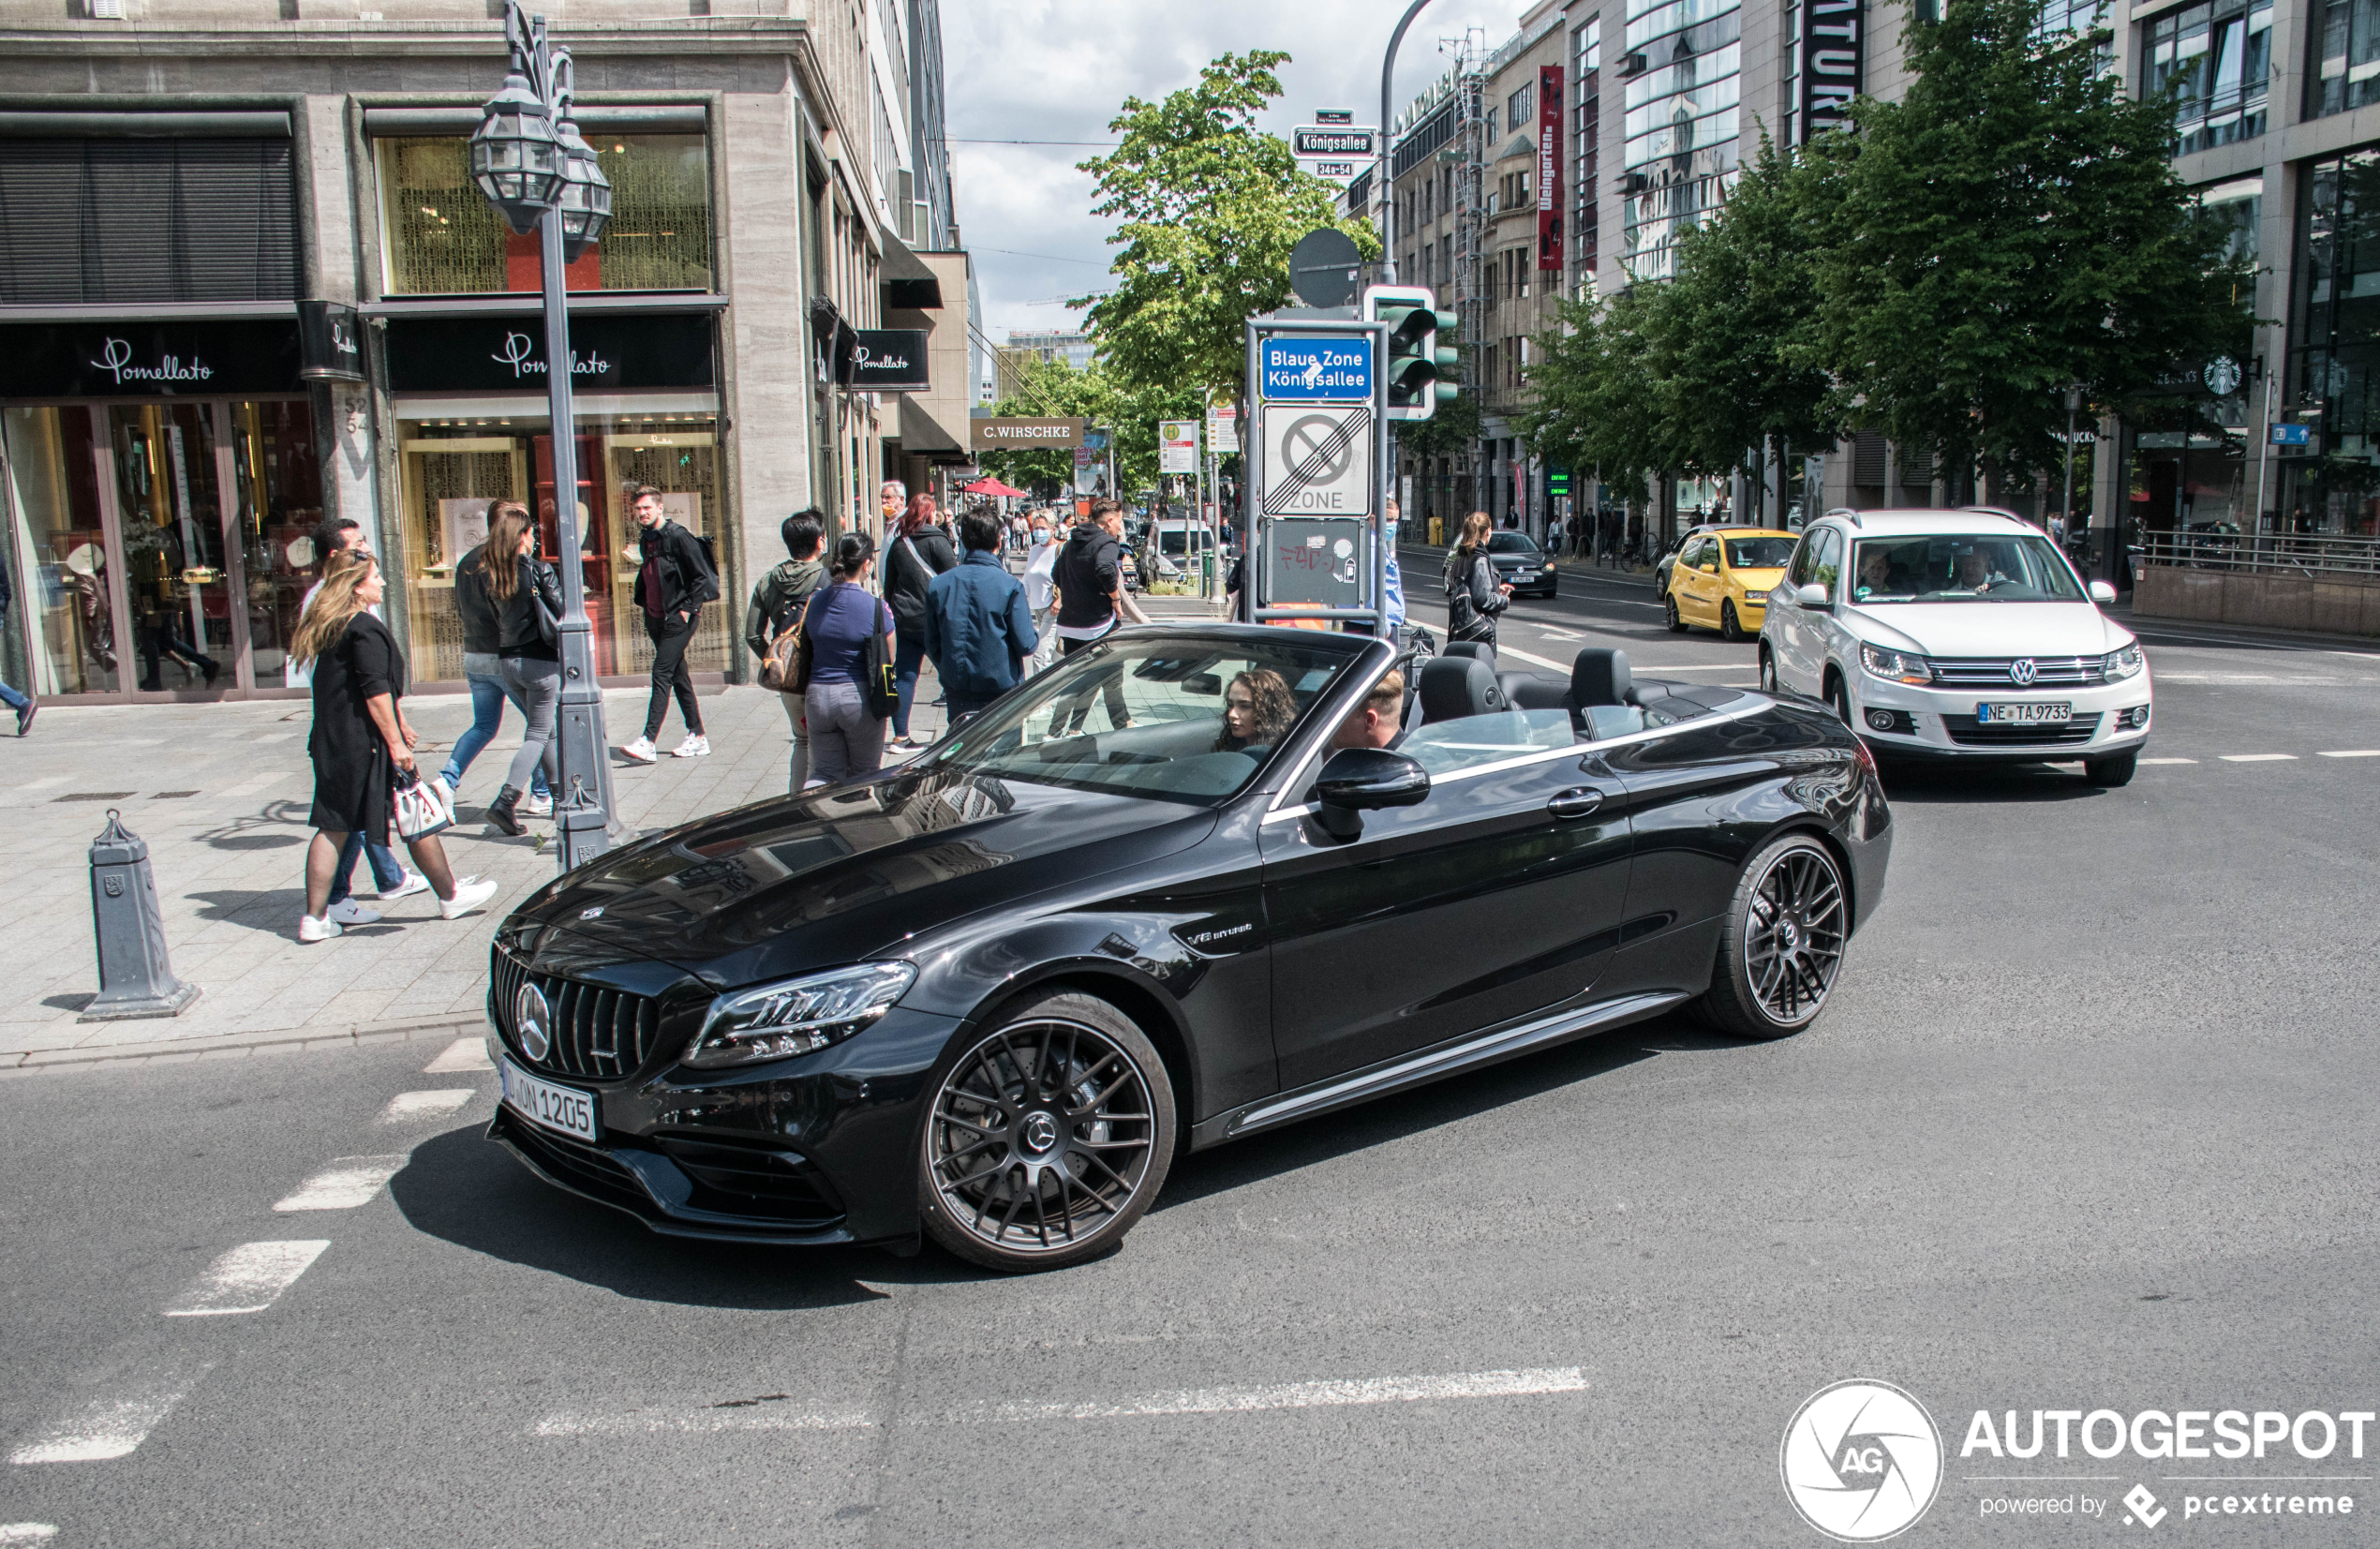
<point x="746" y="1415"/>
<point x="2169" y="761"/>
<point x="110" y="1428"/>
<point x="1557" y="631"/>
<point x="14" y="1535"/>
<point x="2258" y="758"/>
<point x="349" y="1182"/>
<point x="1529" y="1382"/>
<point x="1514" y="651"/>
<point x="2352" y="752"/>
<point x="461" y="1055"/>
<point x="435" y="1104"/>
<point x="249" y="1278"/>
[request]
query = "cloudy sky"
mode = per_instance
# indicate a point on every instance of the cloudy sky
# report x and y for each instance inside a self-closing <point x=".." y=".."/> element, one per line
<point x="1058" y="70"/>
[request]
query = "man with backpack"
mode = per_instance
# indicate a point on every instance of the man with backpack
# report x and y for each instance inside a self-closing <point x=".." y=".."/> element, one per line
<point x="772" y="623"/>
<point x="678" y="577"/>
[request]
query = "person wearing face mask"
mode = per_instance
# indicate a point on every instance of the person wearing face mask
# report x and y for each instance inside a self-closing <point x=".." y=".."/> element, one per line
<point x="1041" y="587"/>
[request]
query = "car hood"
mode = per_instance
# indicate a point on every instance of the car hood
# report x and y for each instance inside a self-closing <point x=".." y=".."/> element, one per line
<point x="1991" y="629"/>
<point x="1758" y="580"/>
<point x="840" y="876"/>
<point x="1514" y="561"/>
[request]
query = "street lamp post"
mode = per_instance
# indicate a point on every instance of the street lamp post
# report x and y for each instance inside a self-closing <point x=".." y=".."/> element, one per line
<point x="529" y="160"/>
<point x="2074" y="403"/>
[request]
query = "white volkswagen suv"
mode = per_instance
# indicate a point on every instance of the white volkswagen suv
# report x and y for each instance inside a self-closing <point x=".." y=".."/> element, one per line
<point x="1957" y="635"/>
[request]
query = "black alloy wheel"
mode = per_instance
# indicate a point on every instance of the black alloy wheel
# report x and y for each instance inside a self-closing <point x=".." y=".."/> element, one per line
<point x="1729" y="629"/>
<point x="2113" y="770"/>
<point x="1048" y="1138"/>
<point x="1783" y="944"/>
<point x="1669" y="615"/>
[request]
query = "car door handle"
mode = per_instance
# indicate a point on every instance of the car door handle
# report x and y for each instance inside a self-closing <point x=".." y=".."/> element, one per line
<point x="1577" y="802"/>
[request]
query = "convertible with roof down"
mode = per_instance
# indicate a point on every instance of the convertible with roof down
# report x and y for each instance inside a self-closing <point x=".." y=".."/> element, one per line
<point x="1173" y="892"/>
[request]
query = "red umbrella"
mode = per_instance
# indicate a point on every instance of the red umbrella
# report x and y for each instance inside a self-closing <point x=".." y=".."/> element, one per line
<point x="990" y="487"/>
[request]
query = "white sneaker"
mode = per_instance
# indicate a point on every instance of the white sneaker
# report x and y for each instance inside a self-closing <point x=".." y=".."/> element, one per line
<point x="348" y="911"/>
<point x="310" y="928"/>
<point x="640" y="752"/>
<point x="695" y="745"/>
<point x="469" y="893"/>
<point x="448" y="787"/>
<point x="414" y="882"/>
<point x="533" y="805"/>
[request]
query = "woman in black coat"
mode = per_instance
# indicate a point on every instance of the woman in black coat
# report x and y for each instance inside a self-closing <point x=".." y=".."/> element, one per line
<point x="361" y="741"/>
<point x="1474" y="596"/>
<point x="919" y="551"/>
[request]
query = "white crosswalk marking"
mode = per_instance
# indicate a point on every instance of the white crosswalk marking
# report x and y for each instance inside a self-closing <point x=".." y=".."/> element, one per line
<point x="2258" y="758"/>
<point x="20" y="1535"/>
<point x="249" y="1278"/>
<point x="2169" y="761"/>
<point x="1314" y="1395"/>
<point x="751" y="1415"/>
<point x="110" y="1427"/>
<point x="2352" y="752"/>
<point x="349" y="1182"/>
<point x="461" y="1055"/>
<point x="435" y="1104"/>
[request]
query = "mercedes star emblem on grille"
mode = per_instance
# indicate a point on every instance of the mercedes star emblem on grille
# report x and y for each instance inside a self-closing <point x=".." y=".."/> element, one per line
<point x="596" y="912"/>
<point x="2022" y="672"/>
<point x="532" y="1020"/>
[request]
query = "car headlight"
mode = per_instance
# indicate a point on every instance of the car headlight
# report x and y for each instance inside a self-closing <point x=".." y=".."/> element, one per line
<point x="1901" y="667"/>
<point x="2123" y="664"/>
<point x="776" y="1022"/>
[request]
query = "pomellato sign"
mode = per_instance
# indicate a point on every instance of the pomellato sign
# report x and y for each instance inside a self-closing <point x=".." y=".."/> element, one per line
<point x="887" y="360"/>
<point x="148" y="360"/>
<point x="609" y="353"/>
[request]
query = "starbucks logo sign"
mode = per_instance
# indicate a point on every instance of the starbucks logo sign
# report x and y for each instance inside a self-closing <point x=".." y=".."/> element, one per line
<point x="2221" y="376"/>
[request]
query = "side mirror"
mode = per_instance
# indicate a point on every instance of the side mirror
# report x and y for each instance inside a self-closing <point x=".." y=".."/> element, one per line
<point x="1811" y="595"/>
<point x="1358" y="779"/>
<point x="2102" y="591"/>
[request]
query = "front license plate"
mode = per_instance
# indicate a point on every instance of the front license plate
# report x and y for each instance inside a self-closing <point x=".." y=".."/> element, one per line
<point x="542" y="1103"/>
<point x="2023" y="714"/>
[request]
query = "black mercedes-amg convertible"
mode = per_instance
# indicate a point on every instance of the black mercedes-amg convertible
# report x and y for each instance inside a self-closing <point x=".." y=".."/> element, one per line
<point x="1192" y="884"/>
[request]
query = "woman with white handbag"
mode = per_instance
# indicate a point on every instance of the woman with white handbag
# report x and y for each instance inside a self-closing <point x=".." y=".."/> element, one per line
<point x="364" y="776"/>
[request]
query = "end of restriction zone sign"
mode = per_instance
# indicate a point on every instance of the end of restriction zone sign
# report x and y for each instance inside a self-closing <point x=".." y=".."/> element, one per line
<point x="1317" y="462"/>
<point x="1316" y="368"/>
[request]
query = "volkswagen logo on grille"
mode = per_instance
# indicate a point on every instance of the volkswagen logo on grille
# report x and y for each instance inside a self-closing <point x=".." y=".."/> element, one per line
<point x="2022" y="672"/>
<point x="533" y="1020"/>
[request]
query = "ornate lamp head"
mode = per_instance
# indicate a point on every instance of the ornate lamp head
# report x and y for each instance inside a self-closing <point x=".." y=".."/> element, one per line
<point x="585" y="197"/>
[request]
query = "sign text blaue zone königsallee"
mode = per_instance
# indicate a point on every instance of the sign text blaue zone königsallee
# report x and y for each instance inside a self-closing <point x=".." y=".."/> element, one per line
<point x="1317" y="368"/>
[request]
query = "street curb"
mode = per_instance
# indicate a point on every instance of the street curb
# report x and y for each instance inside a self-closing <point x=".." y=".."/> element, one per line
<point x="234" y="1046"/>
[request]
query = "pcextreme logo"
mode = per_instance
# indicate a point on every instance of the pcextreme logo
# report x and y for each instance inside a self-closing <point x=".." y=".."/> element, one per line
<point x="1862" y="1460"/>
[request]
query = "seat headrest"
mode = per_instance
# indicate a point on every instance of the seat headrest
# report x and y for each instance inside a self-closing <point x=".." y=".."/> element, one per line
<point x="1600" y="676"/>
<point x="1478" y="651"/>
<point x="1454" y="687"/>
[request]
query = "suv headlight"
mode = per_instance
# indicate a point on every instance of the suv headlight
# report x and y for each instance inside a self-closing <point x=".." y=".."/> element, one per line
<point x="2123" y="664"/>
<point x="776" y="1022"/>
<point x="1900" y="666"/>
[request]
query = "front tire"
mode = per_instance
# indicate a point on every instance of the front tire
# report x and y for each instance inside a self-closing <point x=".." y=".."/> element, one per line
<point x="2115" y="769"/>
<point x="1669" y="615"/>
<point x="1838" y="699"/>
<point x="1768" y="671"/>
<point x="1783" y="942"/>
<point x="1046" y="1137"/>
<point x="1729" y="629"/>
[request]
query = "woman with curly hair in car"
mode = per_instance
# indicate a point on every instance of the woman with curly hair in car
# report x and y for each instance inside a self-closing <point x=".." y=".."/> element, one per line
<point x="1257" y="712"/>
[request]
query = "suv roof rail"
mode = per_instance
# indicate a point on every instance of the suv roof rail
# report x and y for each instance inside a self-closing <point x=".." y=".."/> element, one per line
<point x="1847" y="514"/>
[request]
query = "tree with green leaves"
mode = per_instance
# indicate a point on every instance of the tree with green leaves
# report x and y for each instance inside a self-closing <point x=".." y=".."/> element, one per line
<point x="1598" y="405"/>
<point x="2013" y="225"/>
<point x="1206" y="208"/>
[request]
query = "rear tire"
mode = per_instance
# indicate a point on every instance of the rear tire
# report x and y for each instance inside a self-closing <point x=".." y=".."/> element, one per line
<point x="1669" y="615"/>
<point x="1047" y="1137"/>
<point x="1729" y="629"/>
<point x="1782" y="942"/>
<point x="2115" y="769"/>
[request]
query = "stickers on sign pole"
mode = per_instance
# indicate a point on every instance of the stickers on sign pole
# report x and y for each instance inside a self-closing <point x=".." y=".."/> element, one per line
<point x="1316" y="367"/>
<point x="1317" y="462"/>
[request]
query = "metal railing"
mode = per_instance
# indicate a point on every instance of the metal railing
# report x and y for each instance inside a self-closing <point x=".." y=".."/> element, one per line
<point x="2307" y="554"/>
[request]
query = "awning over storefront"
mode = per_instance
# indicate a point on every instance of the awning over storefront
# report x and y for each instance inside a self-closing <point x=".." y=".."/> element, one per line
<point x="908" y="284"/>
<point x="921" y="437"/>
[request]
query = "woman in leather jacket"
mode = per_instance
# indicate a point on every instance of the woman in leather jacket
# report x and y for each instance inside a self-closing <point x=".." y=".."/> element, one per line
<point x="517" y="604"/>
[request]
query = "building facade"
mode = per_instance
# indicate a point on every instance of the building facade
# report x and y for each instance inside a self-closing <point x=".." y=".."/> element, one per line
<point x="247" y="283"/>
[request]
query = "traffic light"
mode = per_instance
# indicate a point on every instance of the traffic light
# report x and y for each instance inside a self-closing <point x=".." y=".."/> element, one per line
<point x="1420" y="371"/>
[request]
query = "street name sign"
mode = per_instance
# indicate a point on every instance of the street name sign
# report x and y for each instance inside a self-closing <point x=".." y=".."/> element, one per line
<point x="1333" y="141"/>
<point x="1317" y="462"/>
<point x="1316" y="368"/>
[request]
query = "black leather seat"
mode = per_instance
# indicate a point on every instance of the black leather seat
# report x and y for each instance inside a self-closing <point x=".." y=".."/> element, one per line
<point x="1476" y="649"/>
<point x="1456" y="687"/>
<point x="1534" y="691"/>
<point x="1600" y="676"/>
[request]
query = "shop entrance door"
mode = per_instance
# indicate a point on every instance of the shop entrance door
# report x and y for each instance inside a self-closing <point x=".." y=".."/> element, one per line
<point x="181" y="629"/>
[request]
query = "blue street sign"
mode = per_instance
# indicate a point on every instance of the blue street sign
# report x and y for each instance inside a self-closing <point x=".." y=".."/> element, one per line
<point x="2290" y="435"/>
<point x="1317" y="368"/>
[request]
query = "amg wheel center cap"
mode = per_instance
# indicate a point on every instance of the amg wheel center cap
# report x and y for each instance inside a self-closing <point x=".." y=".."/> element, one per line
<point x="1040" y="1132"/>
<point x="1788" y="934"/>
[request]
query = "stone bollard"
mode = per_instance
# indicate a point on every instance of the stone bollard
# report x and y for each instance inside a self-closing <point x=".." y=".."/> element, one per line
<point x="135" y="978"/>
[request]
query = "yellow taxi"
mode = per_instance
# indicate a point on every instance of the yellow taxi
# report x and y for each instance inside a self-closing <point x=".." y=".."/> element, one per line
<point x="1721" y="579"/>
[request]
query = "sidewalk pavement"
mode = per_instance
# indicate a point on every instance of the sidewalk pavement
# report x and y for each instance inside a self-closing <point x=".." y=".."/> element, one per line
<point x="222" y="792"/>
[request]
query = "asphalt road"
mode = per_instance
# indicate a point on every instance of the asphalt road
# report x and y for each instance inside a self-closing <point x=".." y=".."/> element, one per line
<point x="2088" y="1125"/>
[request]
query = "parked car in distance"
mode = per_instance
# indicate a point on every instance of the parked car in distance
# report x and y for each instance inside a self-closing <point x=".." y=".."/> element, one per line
<point x="1722" y="578"/>
<point x="1668" y="561"/>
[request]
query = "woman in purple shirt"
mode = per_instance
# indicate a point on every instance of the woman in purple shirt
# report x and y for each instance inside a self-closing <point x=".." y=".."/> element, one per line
<point x="845" y="740"/>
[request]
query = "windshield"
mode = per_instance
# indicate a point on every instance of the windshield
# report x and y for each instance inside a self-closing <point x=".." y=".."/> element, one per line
<point x="1759" y="553"/>
<point x="1961" y="568"/>
<point x="1147" y="716"/>
<point x="1511" y="543"/>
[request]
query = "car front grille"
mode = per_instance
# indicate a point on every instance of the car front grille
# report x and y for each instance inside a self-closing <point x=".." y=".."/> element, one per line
<point x="1968" y="732"/>
<point x="1995" y="672"/>
<point x="597" y="1033"/>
